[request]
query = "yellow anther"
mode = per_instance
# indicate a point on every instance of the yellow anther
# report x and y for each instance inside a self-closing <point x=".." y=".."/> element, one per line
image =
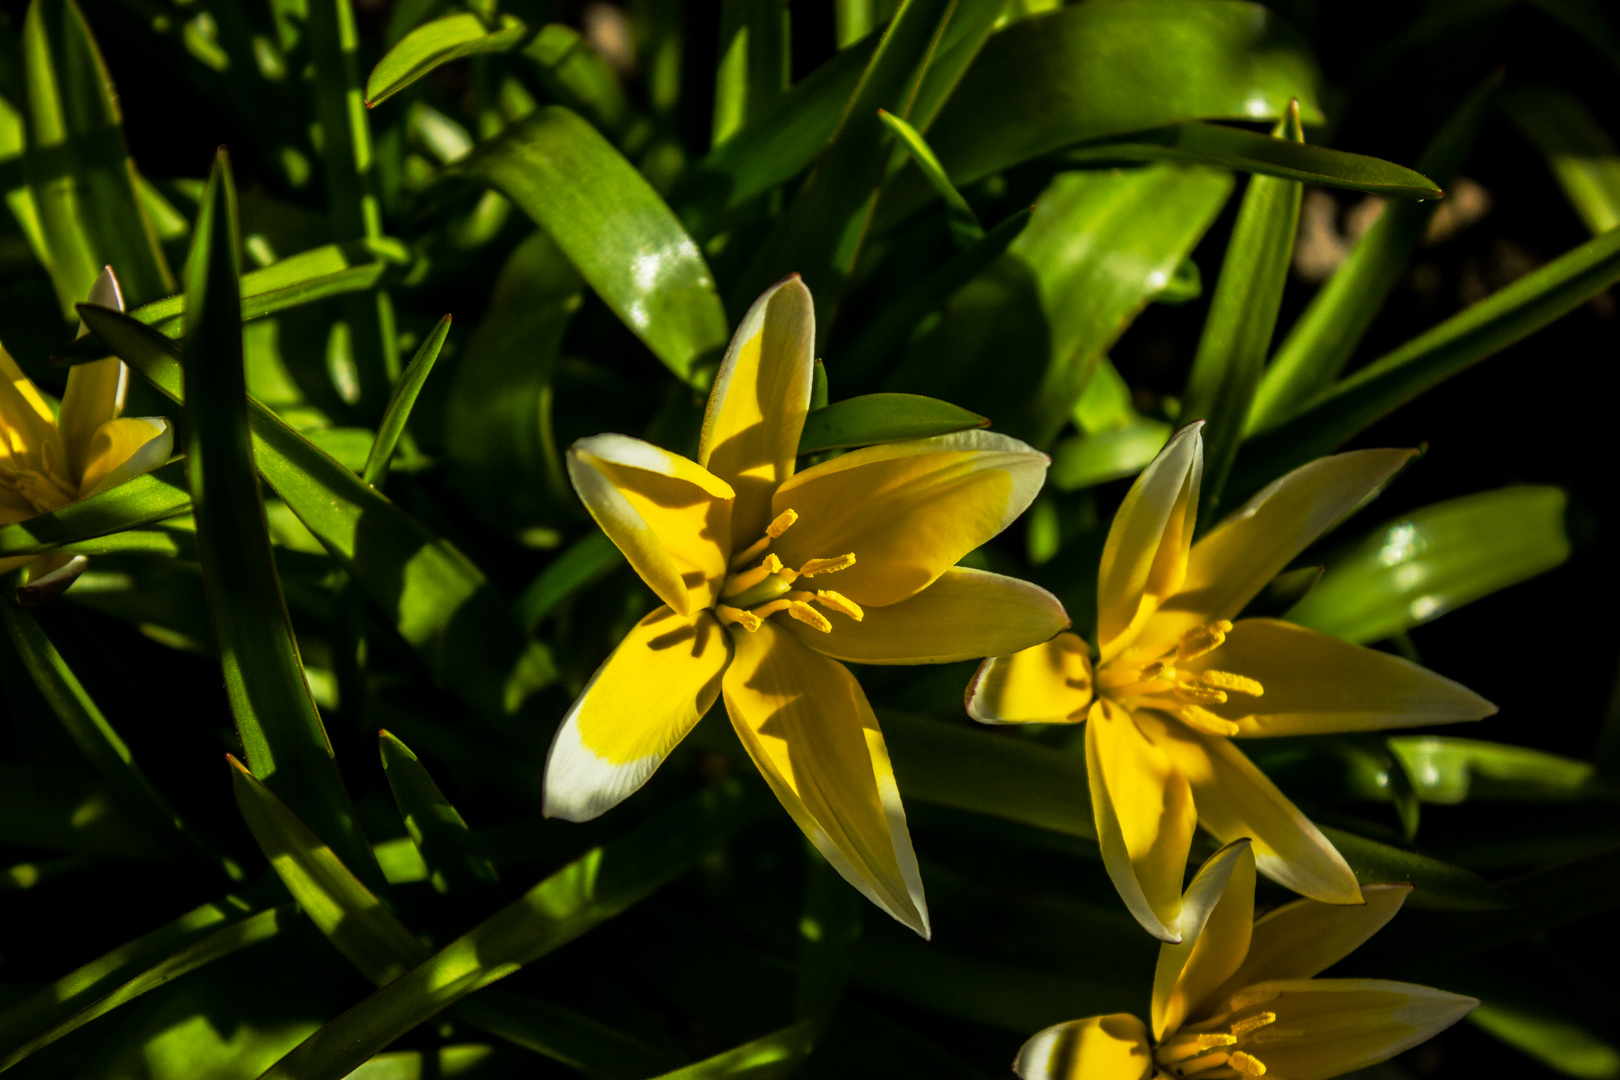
<point x="781" y="524"/>
<point x="1225" y="680"/>
<point x="1195" y="716"/>
<point x="827" y="566"/>
<point x="840" y="603"/>
<point x="1181" y="1047"/>
<point x="809" y="616"/>
<point x="1153" y="670"/>
<point x="1253" y="1023"/>
<point x="1247" y="1064"/>
<point x="1202" y="639"/>
<point x="746" y="619"/>
<point x="738" y="584"/>
<point x="1198" y="694"/>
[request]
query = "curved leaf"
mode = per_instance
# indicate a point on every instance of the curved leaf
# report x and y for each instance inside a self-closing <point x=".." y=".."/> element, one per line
<point x="435" y="43"/>
<point x="1436" y="885"/>
<point x="401" y="402"/>
<point x="1448" y="770"/>
<point x="435" y="826"/>
<point x="882" y="418"/>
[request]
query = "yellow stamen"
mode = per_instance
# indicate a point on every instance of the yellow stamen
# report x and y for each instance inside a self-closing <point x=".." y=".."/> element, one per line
<point x="1202" y="639"/>
<point x="840" y="603"/>
<point x="1253" y="1023"/>
<point x="1181" y="1047"/>
<point x="809" y="616"/>
<point x="1195" y="716"/>
<point x="1247" y="1064"/>
<point x="1225" y="680"/>
<point x="827" y="566"/>
<point x="746" y="619"/>
<point x="741" y="583"/>
<point x="1198" y="694"/>
<point x="750" y="553"/>
<point x="781" y="523"/>
<point x="1154" y="670"/>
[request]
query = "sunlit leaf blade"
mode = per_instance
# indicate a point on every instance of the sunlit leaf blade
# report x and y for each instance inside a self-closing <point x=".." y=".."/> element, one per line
<point x="1580" y="153"/>
<point x="1084" y="460"/>
<point x="157" y="496"/>
<point x="770" y="1057"/>
<point x="565" y="905"/>
<point x="752" y="72"/>
<point x="400" y="404"/>
<point x="199" y="937"/>
<point x="1323" y="339"/>
<point x="282" y="734"/>
<point x="1436" y="559"/>
<point x="964" y="222"/>
<point x="586" y="562"/>
<point x="1237" y="333"/>
<point x="435" y="826"/>
<point x="1250" y="151"/>
<point x="1448" y="770"/>
<point x="613" y="226"/>
<point x="575" y="75"/>
<point x="66" y="811"/>
<point x="1519" y="309"/>
<point x="435" y="43"/>
<point x="79" y="168"/>
<point x="881" y="418"/>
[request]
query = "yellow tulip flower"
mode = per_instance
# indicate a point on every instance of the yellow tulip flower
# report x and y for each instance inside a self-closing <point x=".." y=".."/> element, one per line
<point x="1237" y="999"/>
<point x="743" y="553"/>
<point x="50" y="460"/>
<point x="1176" y="679"/>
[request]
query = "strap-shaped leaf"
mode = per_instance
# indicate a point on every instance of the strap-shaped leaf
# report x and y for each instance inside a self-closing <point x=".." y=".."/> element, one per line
<point x="882" y="418"/>
<point x="435" y="43"/>
<point x="1580" y="153"/>
<point x="753" y="70"/>
<point x="769" y="1057"/>
<point x="435" y="826"/>
<point x="156" y="496"/>
<point x="400" y="404"/>
<point x="586" y="562"/>
<point x="69" y="812"/>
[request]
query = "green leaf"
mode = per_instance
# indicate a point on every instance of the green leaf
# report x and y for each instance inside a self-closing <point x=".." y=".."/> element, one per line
<point x="1449" y="770"/>
<point x="575" y="74"/>
<point x="65" y="811"/>
<point x="1323" y="339"/>
<point x="78" y="165"/>
<point x="436" y="827"/>
<point x="196" y="938"/>
<point x="400" y="404"/>
<point x="753" y="72"/>
<point x="829" y="939"/>
<point x="614" y="227"/>
<point x="156" y="496"/>
<point x="1237" y="333"/>
<point x="435" y="43"/>
<point x="575" y="899"/>
<point x="1436" y="885"/>
<point x="1580" y="153"/>
<point x="965" y="227"/>
<point x="1085" y="460"/>
<point x="282" y="734"/>
<point x="1436" y="559"/>
<point x="589" y="560"/>
<point x="881" y="418"/>
<point x="1554" y="1040"/>
<point x="1249" y="151"/>
<point x="1463" y="340"/>
<point x="771" y="1057"/>
<point x="109" y="756"/>
<point x="577" y="1041"/>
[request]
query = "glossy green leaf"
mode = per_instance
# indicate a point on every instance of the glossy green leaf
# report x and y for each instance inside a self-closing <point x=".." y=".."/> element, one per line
<point x="281" y="730"/>
<point x="1580" y="153"/>
<point x="156" y="496"/>
<point x="63" y="811"/>
<point x="81" y="173"/>
<point x="586" y="562"/>
<point x="1517" y="310"/>
<point x="1237" y="333"/>
<point x="965" y="227"/>
<point x="1323" y="339"/>
<point x="577" y="76"/>
<point x="1448" y="770"/>
<point x="616" y="230"/>
<point x="565" y="905"/>
<point x="435" y="826"/>
<point x="752" y="72"/>
<point x="771" y="1057"/>
<point x="196" y="938"/>
<point x="435" y="43"/>
<point x="1250" y="151"/>
<point x="400" y="404"/>
<point x="1085" y="460"/>
<point x="1437" y="559"/>
<point x="1436" y="885"/>
<point x="881" y="418"/>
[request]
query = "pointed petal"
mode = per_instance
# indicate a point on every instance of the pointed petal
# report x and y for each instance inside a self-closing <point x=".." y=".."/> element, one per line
<point x="1346" y="1024"/>
<point x="807" y="725"/>
<point x="1229" y="567"/>
<point x="1316" y="684"/>
<point x="27" y="428"/>
<point x="638" y="706"/>
<point x="1098" y="1048"/>
<point x="1049" y="683"/>
<point x="1145" y="818"/>
<point x="123" y="449"/>
<point x="758" y="404"/>
<point x="1306" y="937"/>
<point x="1217" y="915"/>
<point x="1145" y="557"/>
<point x="1235" y="799"/>
<point x="965" y="615"/>
<point x="95" y="391"/>
<point x="670" y="517"/>
<point x="908" y="510"/>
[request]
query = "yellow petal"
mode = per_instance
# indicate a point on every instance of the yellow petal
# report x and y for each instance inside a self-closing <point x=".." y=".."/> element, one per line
<point x="1098" y="1048"/>
<point x="1306" y="937"/>
<point x="1145" y="818"/>
<point x="1145" y="557"/>
<point x="757" y="406"/>
<point x="1235" y="799"/>
<point x="1217" y="915"/>
<point x="95" y="391"/>
<point x="27" y="429"/>
<point x="964" y="615"/>
<point x="123" y="449"/>
<point x="1049" y="683"/>
<point x="1315" y="684"/>
<point x="670" y="516"/>
<point x="641" y="702"/>
<point x="1229" y="567"/>
<point x="1328" y="1027"/>
<point x="807" y="725"/>
<point x="908" y="510"/>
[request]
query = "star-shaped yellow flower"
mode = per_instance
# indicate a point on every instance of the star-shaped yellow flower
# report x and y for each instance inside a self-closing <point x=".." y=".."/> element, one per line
<point x="1177" y="679"/>
<point x="1237" y="999"/>
<point x="48" y="461"/>
<point x="769" y="578"/>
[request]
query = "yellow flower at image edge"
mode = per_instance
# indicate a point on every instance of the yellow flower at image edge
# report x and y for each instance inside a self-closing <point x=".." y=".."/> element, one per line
<point x="1177" y="679"/>
<point x="1237" y="998"/>
<point x="47" y="462"/>
<point x="769" y="579"/>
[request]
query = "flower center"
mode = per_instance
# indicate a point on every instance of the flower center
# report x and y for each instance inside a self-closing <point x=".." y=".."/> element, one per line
<point x="1223" y="1048"/>
<point x="751" y="594"/>
<point x="1183" y="694"/>
<point x="40" y="488"/>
